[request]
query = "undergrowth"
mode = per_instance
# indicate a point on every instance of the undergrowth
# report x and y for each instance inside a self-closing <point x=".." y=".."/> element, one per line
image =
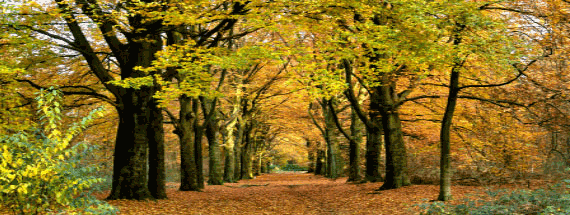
<point x="554" y="200"/>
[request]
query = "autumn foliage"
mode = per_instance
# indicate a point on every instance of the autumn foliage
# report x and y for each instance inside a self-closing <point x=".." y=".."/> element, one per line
<point x="204" y="94"/>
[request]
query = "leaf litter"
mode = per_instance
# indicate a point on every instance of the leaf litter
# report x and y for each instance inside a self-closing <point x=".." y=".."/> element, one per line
<point x="291" y="193"/>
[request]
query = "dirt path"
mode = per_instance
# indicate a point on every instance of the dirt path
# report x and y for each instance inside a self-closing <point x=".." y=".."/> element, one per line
<point x="290" y="193"/>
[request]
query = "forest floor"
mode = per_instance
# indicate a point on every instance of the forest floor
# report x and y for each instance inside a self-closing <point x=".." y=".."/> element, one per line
<point x="292" y="193"/>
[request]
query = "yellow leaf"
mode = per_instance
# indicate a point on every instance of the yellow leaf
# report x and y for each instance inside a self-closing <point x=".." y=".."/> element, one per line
<point x="10" y="177"/>
<point x="22" y="190"/>
<point x="7" y="156"/>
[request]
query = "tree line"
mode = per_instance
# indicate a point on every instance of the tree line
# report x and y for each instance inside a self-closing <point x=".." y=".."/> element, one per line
<point x="213" y="68"/>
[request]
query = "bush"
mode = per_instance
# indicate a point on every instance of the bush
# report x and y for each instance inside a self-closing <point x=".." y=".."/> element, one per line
<point x="293" y="167"/>
<point x="554" y="200"/>
<point x="41" y="171"/>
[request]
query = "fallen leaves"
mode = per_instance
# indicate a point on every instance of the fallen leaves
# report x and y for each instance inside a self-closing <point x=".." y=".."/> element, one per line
<point x="291" y="193"/>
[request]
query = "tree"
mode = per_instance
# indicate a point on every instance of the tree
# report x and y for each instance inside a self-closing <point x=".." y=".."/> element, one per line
<point x="372" y="126"/>
<point x="382" y="69"/>
<point x="127" y="45"/>
<point x="139" y="125"/>
<point x="328" y="134"/>
<point x="354" y="139"/>
<point x="469" y="18"/>
<point x="215" y="176"/>
<point x="228" y="135"/>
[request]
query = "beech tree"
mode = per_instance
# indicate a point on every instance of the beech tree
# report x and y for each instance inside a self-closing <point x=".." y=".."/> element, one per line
<point x="381" y="68"/>
<point x="119" y="52"/>
<point x="140" y="118"/>
<point x="472" y="29"/>
<point x="223" y="65"/>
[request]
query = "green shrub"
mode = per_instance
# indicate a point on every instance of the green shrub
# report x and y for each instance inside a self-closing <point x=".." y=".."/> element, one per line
<point x="555" y="200"/>
<point x="41" y="171"/>
<point x="293" y="167"/>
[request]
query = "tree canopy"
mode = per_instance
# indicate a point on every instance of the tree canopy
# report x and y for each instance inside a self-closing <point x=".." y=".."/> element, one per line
<point x="250" y="85"/>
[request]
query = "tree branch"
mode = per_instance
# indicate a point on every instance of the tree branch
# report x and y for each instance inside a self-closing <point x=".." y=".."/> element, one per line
<point x="91" y="92"/>
<point x="86" y="50"/>
<point x="349" y="93"/>
<point x="336" y="121"/>
<point x="314" y="120"/>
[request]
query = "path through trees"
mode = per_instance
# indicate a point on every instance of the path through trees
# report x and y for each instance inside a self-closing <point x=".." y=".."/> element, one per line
<point x="289" y="193"/>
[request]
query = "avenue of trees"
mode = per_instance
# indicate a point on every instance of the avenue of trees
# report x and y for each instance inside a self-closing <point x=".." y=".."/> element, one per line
<point x="394" y="91"/>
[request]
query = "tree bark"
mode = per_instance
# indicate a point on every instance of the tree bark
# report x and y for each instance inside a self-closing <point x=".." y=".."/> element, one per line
<point x="373" y="152"/>
<point x="246" y="159"/>
<point x="257" y="154"/>
<point x="354" y="148"/>
<point x="198" y="134"/>
<point x="319" y="166"/>
<point x="246" y="163"/>
<point x="311" y="156"/>
<point x="140" y="124"/>
<point x="445" y="160"/>
<point x="238" y="149"/>
<point x="229" y="138"/>
<point x="265" y="167"/>
<point x="188" y="170"/>
<point x="229" y="164"/>
<point x="229" y="146"/>
<point x="396" y="157"/>
<point x="258" y="165"/>
<point x="372" y="125"/>
<point x="130" y="159"/>
<point x="374" y="142"/>
<point x="215" y="175"/>
<point x="157" y="174"/>
<point x="332" y="147"/>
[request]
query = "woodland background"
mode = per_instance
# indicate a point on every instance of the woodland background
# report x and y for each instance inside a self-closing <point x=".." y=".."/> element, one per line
<point x="212" y="92"/>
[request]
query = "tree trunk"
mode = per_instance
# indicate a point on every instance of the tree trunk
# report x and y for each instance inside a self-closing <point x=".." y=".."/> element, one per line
<point x="246" y="158"/>
<point x="130" y="158"/>
<point x="374" y="142"/>
<point x="238" y="162"/>
<point x="354" y="148"/>
<point x="238" y="149"/>
<point x="140" y="124"/>
<point x="445" y="162"/>
<point x="396" y="157"/>
<point x="185" y="129"/>
<point x="256" y="157"/>
<point x="372" y="125"/>
<point x="265" y="167"/>
<point x="215" y="176"/>
<point x="157" y="174"/>
<point x="229" y="145"/>
<point x="332" y="145"/>
<point x="229" y="164"/>
<point x="198" y="134"/>
<point x="331" y="171"/>
<point x="373" y="152"/>
<point x="319" y="166"/>
<point x="229" y="139"/>
<point x="188" y="170"/>
<point x="311" y="156"/>
<point x="258" y="164"/>
<point x="247" y="163"/>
